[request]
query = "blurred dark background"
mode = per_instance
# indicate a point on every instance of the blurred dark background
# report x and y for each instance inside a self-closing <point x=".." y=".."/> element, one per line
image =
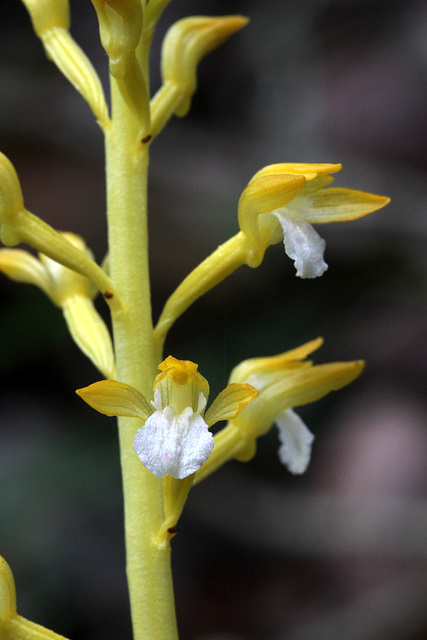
<point x="341" y="551"/>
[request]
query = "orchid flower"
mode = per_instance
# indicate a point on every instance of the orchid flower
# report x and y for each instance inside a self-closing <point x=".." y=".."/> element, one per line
<point x="284" y="382"/>
<point x="175" y="439"/>
<point x="282" y="201"/>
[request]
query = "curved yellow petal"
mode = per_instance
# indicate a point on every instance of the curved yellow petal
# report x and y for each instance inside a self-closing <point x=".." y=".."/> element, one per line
<point x="281" y="362"/>
<point x="116" y="399"/>
<point x="230" y="402"/>
<point x="309" y="170"/>
<point x="263" y="195"/>
<point x="336" y="205"/>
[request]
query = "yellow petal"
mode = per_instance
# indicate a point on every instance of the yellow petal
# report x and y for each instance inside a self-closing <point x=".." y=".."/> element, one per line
<point x="336" y="205"/>
<point x="230" y="402"/>
<point x="309" y="170"/>
<point x="263" y="195"/>
<point x="21" y="266"/>
<point x="282" y="362"/>
<point x="116" y="399"/>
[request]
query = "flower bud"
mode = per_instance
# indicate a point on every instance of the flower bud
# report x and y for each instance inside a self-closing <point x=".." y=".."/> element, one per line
<point x="186" y="43"/>
<point x="120" y="26"/>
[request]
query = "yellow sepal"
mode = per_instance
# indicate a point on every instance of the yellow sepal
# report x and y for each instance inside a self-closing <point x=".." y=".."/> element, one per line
<point x="292" y="385"/>
<point x="114" y="398"/>
<point x="229" y="403"/>
<point x="281" y="362"/>
<point x="338" y="205"/>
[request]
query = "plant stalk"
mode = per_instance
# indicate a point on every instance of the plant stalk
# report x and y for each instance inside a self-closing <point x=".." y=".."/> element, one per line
<point x="147" y="564"/>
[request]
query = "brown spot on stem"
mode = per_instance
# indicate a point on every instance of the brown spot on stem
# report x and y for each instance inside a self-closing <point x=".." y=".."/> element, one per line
<point x="108" y="295"/>
<point x="147" y="138"/>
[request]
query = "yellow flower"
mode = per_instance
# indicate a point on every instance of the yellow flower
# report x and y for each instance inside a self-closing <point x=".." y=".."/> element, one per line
<point x="175" y="439"/>
<point x="284" y="381"/>
<point x="282" y="201"/>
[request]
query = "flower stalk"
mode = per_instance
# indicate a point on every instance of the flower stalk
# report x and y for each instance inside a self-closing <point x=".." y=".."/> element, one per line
<point x="151" y="600"/>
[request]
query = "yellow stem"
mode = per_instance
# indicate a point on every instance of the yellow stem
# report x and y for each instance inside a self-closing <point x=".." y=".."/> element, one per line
<point x="148" y="565"/>
<point x="18" y="628"/>
<point x="220" y="264"/>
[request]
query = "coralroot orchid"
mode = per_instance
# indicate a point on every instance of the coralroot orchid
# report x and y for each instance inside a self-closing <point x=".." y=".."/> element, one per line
<point x="175" y="439"/>
<point x="166" y="445"/>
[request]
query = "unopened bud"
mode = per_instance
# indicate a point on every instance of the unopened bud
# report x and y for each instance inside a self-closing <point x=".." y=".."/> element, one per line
<point x="186" y="43"/>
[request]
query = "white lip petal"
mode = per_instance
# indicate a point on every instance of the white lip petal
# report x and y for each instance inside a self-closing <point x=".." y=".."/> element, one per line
<point x="175" y="445"/>
<point x="304" y="246"/>
<point x="296" y="440"/>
